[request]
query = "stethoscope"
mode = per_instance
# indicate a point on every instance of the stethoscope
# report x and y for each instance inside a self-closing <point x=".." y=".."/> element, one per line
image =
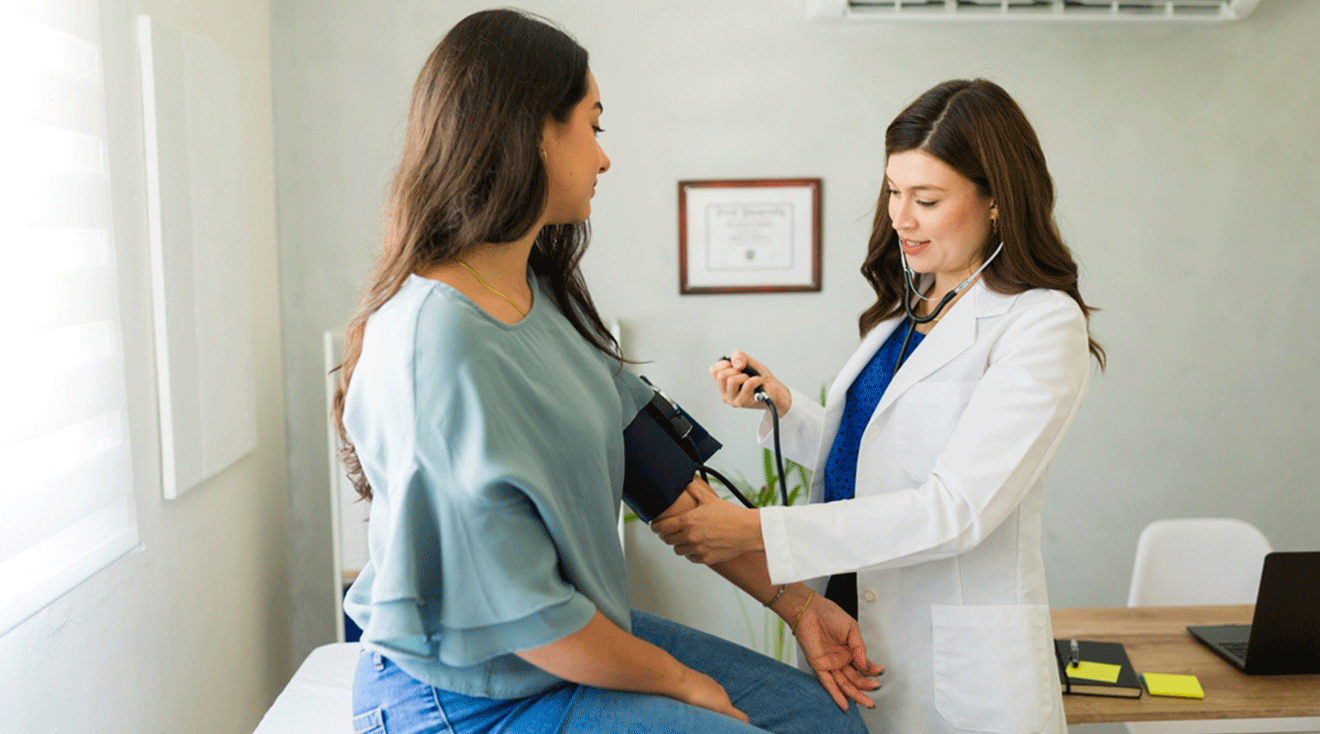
<point x="910" y="290"/>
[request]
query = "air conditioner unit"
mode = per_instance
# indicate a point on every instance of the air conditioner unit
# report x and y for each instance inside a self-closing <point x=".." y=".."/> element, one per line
<point x="1032" y="10"/>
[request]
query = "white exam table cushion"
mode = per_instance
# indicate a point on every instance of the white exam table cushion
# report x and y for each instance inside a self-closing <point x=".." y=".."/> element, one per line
<point x="319" y="698"/>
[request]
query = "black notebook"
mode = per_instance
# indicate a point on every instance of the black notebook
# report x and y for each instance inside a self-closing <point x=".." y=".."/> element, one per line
<point x="1112" y="653"/>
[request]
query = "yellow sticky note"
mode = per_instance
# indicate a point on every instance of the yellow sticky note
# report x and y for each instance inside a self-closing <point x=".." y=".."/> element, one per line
<point x="1168" y="684"/>
<point x="1087" y="670"/>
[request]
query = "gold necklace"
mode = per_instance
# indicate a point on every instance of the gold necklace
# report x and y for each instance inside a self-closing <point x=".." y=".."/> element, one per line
<point x="488" y="287"/>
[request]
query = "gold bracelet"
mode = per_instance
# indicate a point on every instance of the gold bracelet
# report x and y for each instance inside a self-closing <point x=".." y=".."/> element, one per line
<point x="798" y="617"/>
<point x="775" y="598"/>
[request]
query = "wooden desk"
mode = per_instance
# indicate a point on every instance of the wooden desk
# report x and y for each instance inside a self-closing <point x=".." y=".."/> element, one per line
<point x="1157" y="641"/>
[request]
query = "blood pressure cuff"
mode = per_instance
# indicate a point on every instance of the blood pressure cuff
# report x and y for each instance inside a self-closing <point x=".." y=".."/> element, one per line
<point x="663" y="448"/>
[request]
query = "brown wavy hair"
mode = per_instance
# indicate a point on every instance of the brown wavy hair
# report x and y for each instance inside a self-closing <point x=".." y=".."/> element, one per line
<point x="472" y="173"/>
<point x="976" y="128"/>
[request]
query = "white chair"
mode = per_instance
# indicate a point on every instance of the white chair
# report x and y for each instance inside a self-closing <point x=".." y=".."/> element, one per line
<point x="1197" y="561"/>
<point x="1202" y="561"/>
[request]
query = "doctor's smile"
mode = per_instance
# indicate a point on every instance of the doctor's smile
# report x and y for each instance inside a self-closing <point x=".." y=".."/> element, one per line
<point x="914" y="248"/>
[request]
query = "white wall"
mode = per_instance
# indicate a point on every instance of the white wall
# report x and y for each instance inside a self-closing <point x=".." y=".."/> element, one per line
<point x="1186" y="163"/>
<point x="190" y="634"/>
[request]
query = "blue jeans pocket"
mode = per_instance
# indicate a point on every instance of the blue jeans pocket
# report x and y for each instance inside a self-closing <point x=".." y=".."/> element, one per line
<point x="369" y="723"/>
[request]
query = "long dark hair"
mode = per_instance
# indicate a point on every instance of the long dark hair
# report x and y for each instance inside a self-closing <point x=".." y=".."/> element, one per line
<point x="472" y="173"/>
<point x="977" y="129"/>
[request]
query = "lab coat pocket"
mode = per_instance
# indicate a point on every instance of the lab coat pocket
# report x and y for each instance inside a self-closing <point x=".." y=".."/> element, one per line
<point x="925" y="416"/>
<point x="993" y="669"/>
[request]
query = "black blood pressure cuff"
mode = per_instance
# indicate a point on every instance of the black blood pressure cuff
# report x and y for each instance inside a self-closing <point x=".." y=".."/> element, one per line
<point x="663" y="448"/>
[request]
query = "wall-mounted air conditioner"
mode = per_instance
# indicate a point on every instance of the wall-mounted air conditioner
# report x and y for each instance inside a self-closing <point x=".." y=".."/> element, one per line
<point x="1032" y="10"/>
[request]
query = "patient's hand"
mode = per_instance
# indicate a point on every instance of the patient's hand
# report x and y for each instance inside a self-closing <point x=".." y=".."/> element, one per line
<point x="834" y="648"/>
<point x="707" y="529"/>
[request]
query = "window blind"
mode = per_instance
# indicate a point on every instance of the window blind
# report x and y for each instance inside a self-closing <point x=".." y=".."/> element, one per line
<point x="66" y="480"/>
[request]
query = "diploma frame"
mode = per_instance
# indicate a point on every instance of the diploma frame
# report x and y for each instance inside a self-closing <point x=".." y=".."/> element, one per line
<point x="749" y="236"/>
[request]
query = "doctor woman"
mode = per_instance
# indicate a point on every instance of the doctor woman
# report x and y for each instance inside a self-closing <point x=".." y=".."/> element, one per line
<point x="933" y="449"/>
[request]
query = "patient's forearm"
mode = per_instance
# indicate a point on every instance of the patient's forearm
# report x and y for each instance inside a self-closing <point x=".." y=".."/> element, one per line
<point x="681" y="505"/>
<point x="750" y="573"/>
<point x="604" y="655"/>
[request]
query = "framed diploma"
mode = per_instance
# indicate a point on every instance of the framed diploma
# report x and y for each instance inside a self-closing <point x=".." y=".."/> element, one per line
<point x="751" y="236"/>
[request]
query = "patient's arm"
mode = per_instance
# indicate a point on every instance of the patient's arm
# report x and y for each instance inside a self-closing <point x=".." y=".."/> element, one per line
<point x="829" y="637"/>
<point x="603" y="655"/>
<point x="681" y="505"/>
<point x="707" y="529"/>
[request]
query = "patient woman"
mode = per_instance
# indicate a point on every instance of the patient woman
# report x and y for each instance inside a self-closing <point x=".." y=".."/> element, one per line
<point x="482" y="407"/>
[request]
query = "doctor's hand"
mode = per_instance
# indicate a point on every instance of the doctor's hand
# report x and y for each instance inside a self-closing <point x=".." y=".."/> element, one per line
<point x="739" y="389"/>
<point x="833" y="646"/>
<point x="714" y="530"/>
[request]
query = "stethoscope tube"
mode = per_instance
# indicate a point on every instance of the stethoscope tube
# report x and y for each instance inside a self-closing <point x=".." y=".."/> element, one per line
<point x="761" y="396"/>
<point x="914" y="319"/>
<point x="910" y="291"/>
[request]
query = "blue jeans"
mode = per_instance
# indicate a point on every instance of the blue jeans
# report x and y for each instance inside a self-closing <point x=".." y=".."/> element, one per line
<point x="777" y="698"/>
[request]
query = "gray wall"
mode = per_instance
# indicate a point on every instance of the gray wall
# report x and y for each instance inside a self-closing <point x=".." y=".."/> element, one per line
<point x="1186" y="163"/>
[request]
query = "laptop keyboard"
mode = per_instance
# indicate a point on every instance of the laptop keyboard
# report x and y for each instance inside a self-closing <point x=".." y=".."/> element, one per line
<point x="1236" y="649"/>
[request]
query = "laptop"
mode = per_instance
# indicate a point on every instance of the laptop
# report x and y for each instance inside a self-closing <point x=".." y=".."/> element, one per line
<point x="1284" y="634"/>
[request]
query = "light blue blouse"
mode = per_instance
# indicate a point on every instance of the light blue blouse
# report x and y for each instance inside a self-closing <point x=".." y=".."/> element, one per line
<point x="495" y="454"/>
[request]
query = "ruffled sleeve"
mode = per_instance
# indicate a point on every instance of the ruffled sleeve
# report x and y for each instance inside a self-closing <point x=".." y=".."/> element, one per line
<point x="468" y="575"/>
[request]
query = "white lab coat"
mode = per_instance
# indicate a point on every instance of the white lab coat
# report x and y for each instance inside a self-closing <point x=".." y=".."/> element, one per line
<point x="944" y="530"/>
